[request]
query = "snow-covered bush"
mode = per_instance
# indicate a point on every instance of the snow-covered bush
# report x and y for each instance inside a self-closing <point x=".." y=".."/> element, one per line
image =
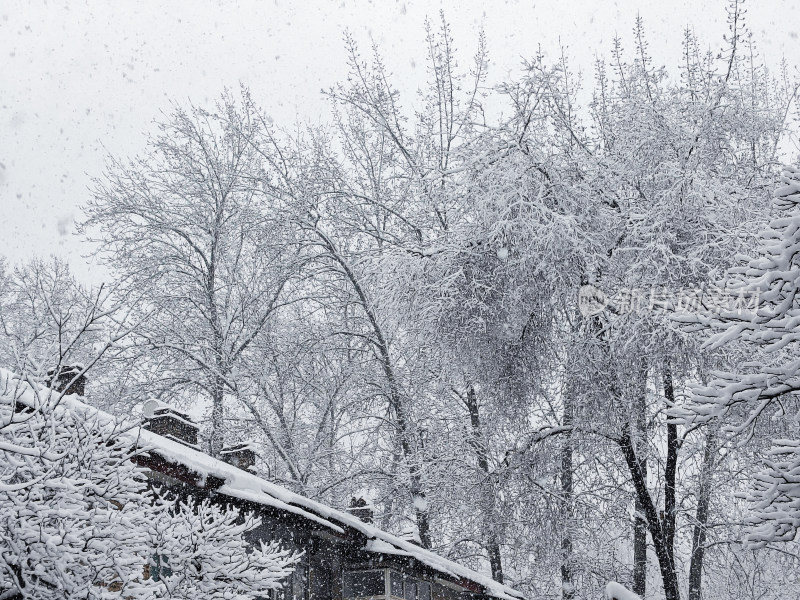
<point x="73" y="509"/>
<point x="201" y="552"/>
<point x="77" y="519"/>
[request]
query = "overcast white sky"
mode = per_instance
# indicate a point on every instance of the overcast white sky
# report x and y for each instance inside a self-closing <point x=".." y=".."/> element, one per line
<point x="79" y="79"/>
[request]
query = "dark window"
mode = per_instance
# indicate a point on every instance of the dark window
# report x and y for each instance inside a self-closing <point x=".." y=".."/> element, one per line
<point x="159" y="567"/>
<point x="299" y="582"/>
<point x="321" y="578"/>
<point x="396" y="584"/>
<point x="424" y="590"/>
<point x="411" y="589"/>
<point x="442" y="592"/>
<point x="363" y="583"/>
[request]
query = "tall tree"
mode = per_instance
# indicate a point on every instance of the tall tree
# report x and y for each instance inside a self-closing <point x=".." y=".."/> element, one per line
<point x="372" y="184"/>
<point x="201" y="249"/>
<point x="617" y="198"/>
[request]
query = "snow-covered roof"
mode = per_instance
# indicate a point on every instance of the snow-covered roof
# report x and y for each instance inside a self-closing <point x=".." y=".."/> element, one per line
<point x="250" y="487"/>
<point x="247" y="486"/>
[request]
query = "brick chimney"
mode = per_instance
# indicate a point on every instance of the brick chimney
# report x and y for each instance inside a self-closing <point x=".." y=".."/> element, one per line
<point x="361" y="509"/>
<point x="164" y="420"/>
<point x="242" y="455"/>
<point x="59" y="379"/>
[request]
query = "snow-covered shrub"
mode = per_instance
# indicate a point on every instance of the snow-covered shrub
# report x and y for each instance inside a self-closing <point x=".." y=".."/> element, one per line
<point x="201" y="552"/>
<point x="77" y="519"/>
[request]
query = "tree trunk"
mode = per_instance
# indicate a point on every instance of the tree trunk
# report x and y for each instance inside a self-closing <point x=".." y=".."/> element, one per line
<point x="217" y="416"/>
<point x="415" y="471"/>
<point x="639" y="550"/>
<point x="567" y="499"/>
<point x="701" y="518"/>
<point x="491" y="538"/>
<point x="664" y="551"/>
<point x="217" y="345"/>
<point x="671" y="467"/>
<point x="639" y="519"/>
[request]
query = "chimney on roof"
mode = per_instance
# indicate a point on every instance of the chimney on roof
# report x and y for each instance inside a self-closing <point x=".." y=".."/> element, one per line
<point x="411" y="534"/>
<point x="59" y="379"/>
<point x="361" y="509"/>
<point x="240" y="455"/>
<point x="164" y="420"/>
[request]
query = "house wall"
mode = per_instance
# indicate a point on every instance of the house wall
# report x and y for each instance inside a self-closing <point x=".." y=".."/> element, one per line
<point x="319" y="574"/>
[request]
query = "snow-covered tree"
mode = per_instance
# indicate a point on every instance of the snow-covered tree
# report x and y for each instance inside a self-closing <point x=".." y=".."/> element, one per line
<point x="654" y="186"/>
<point x="199" y="247"/>
<point x="763" y="314"/>
<point x="49" y="320"/>
<point x="372" y="183"/>
<point x="73" y="515"/>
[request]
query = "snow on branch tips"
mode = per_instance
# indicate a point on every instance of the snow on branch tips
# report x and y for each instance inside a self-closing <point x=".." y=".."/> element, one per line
<point x="770" y="332"/>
